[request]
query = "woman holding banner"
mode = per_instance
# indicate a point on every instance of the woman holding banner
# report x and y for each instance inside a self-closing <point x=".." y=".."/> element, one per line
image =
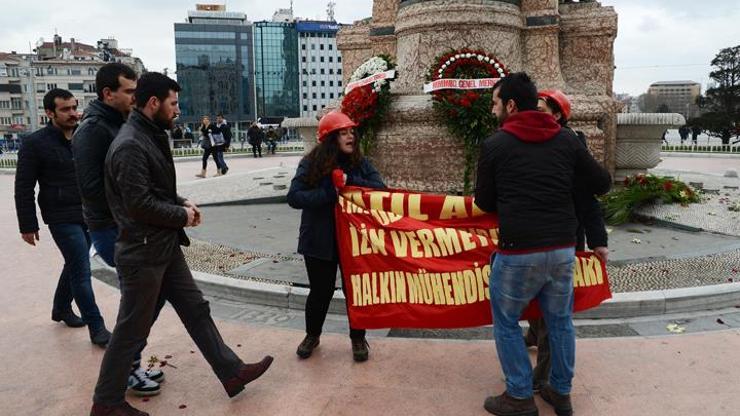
<point x="334" y="162"/>
<point x="591" y="228"/>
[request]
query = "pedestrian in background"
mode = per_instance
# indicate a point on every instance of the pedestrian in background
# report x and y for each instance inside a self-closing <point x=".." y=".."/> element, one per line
<point x="208" y="144"/>
<point x="313" y="191"/>
<point x="255" y="136"/>
<point x="46" y="158"/>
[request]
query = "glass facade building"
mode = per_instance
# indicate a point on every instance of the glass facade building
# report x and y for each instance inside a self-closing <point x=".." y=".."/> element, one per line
<point x="214" y="61"/>
<point x="276" y="69"/>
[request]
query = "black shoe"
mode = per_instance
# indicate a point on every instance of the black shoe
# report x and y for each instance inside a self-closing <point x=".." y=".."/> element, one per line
<point x="505" y="405"/>
<point x="69" y="318"/>
<point x="360" y="349"/>
<point x="100" y="337"/>
<point x="561" y="402"/>
<point x="309" y="343"/>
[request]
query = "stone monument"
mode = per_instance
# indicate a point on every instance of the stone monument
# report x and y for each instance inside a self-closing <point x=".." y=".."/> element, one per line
<point x="565" y="46"/>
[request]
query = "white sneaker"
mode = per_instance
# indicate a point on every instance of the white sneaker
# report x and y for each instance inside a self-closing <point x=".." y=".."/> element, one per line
<point x="140" y="384"/>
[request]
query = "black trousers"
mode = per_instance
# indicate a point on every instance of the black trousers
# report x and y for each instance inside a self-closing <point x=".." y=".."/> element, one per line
<point x="537" y="334"/>
<point x="322" y="275"/>
<point x="257" y="148"/>
<point x="207" y="153"/>
<point x="141" y="290"/>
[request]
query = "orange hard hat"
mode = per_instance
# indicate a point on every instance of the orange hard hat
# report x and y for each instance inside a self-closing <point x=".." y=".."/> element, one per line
<point x="560" y="99"/>
<point x="334" y="121"/>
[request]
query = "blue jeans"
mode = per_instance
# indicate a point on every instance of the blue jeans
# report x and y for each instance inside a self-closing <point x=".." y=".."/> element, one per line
<point x="220" y="161"/>
<point x="75" y="281"/>
<point x="104" y="242"/>
<point x="515" y="281"/>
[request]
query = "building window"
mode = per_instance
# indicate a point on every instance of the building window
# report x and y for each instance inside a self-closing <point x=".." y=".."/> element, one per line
<point x="323" y="96"/>
<point x="304" y="83"/>
<point x="331" y="95"/>
<point x="313" y="46"/>
<point x="321" y="59"/>
<point x="323" y="84"/>
<point x="303" y="59"/>
<point x="330" y="47"/>
<point x="331" y="59"/>
<point x="305" y="108"/>
<point x="313" y="59"/>
<point x="339" y="83"/>
<point x="313" y="95"/>
<point x="313" y="83"/>
<point x="339" y="59"/>
<point x="50" y="87"/>
<point x="303" y="47"/>
<point x="314" y="107"/>
<point x="321" y="46"/>
<point x="305" y="95"/>
<point x="322" y="71"/>
<point x="331" y="71"/>
<point x="339" y="71"/>
<point x="331" y="83"/>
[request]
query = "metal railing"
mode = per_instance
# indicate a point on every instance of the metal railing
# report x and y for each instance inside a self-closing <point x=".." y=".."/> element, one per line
<point x="8" y="162"/>
<point x="197" y="151"/>
<point x="701" y="148"/>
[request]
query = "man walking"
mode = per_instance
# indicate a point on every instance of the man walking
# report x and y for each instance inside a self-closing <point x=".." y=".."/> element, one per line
<point x="115" y="84"/>
<point x="526" y="173"/>
<point x="225" y="129"/>
<point x="46" y="157"/>
<point x="255" y="134"/>
<point x="142" y="196"/>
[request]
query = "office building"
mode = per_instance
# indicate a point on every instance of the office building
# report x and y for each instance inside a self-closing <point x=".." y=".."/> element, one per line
<point x="678" y="96"/>
<point x="276" y="69"/>
<point x="214" y="55"/>
<point x="320" y="65"/>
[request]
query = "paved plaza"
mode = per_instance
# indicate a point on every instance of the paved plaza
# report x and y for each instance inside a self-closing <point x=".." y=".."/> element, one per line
<point x="624" y="366"/>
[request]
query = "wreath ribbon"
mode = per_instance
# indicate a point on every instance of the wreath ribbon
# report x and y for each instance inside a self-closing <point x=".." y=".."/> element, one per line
<point x="390" y="74"/>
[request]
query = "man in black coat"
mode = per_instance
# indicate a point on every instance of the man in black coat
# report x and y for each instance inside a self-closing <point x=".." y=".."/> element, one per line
<point x="255" y="135"/>
<point x="115" y="84"/>
<point x="46" y="158"/>
<point x="526" y="174"/>
<point x="142" y="196"/>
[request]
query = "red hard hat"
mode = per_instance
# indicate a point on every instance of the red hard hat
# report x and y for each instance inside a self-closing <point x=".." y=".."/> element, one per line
<point x="560" y="99"/>
<point x="334" y="121"/>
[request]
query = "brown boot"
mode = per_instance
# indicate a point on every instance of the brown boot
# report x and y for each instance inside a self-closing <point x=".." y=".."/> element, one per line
<point x="561" y="402"/>
<point x="360" y="349"/>
<point x="123" y="409"/>
<point x="309" y="343"/>
<point x="202" y="174"/>
<point x="505" y="405"/>
<point x="247" y="374"/>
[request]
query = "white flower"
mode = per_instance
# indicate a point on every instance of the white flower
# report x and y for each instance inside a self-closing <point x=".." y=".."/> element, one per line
<point x="452" y="59"/>
<point x="457" y="56"/>
<point x="440" y="71"/>
<point x="467" y="55"/>
<point x="480" y="57"/>
<point x="487" y="59"/>
<point x="497" y="66"/>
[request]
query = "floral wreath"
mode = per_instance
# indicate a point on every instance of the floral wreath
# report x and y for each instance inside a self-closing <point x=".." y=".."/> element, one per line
<point x="461" y="82"/>
<point x="367" y="97"/>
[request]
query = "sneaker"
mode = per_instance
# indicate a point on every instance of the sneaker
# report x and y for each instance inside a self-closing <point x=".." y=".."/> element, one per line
<point x="561" y="402"/>
<point x="505" y="405"/>
<point x="155" y="375"/>
<point x="123" y="409"/>
<point x="360" y="349"/>
<point x="309" y="343"/>
<point x="140" y="384"/>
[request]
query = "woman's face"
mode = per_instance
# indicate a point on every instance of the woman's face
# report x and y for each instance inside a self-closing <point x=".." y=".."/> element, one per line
<point x="346" y="141"/>
<point x="206" y="120"/>
<point x="543" y="107"/>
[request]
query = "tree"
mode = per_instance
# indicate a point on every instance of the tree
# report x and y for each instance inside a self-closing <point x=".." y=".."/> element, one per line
<point x="663" y="108"/>
<point x="721" y="104"/>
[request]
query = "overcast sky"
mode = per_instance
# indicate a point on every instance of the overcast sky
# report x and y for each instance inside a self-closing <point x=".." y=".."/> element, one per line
<point x="659" y="40"/>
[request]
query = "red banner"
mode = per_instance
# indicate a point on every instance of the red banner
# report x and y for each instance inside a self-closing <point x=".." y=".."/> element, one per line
<point x="415" y="260"/>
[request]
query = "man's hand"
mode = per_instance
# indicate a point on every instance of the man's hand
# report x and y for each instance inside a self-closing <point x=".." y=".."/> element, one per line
<point x="198" y="216"/>
<point x="602" y="253"/>
<point x="30" y="238"/>
<point x="192" y="217"/>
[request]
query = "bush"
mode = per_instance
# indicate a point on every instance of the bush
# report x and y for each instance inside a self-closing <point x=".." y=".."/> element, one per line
<point x="640" y="190"/>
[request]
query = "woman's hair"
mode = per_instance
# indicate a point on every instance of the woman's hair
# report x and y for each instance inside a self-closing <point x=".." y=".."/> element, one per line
<point x="325" y="157"/>
<point x="555" y="108"/>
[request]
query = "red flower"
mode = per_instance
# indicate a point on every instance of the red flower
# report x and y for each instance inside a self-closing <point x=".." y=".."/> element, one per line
<point x="667" y="186"/>
<point x="627" y="181"/>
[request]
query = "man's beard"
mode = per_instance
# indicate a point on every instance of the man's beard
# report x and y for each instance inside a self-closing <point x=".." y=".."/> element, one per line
<point x="504" y="116"/>
<point x="163" y="121"/>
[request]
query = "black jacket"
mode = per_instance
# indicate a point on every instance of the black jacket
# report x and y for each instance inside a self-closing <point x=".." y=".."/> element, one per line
<point x="226" y="131"/>
<point x="526" y="173"/>
<point x="141" y="189"/>
<point x="90" y="143"/>
<point x="46" y="157"/>
<point x="591" y="228"/>
<point x="317" y="236"/>
<point x="255" y="136"/>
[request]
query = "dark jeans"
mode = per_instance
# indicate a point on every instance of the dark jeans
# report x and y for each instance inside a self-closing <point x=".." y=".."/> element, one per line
<point x="207" y="153"/>
<point x="322" y="276"/>
<point x="75" y="281"/>
<point x="271" y="146"/>
<point x="219" y="155"/>
<point x="141" y="288"/>
<point x="257" y="148"/>
<point x="104" y="242"/>
<point x="537" y="334"/>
